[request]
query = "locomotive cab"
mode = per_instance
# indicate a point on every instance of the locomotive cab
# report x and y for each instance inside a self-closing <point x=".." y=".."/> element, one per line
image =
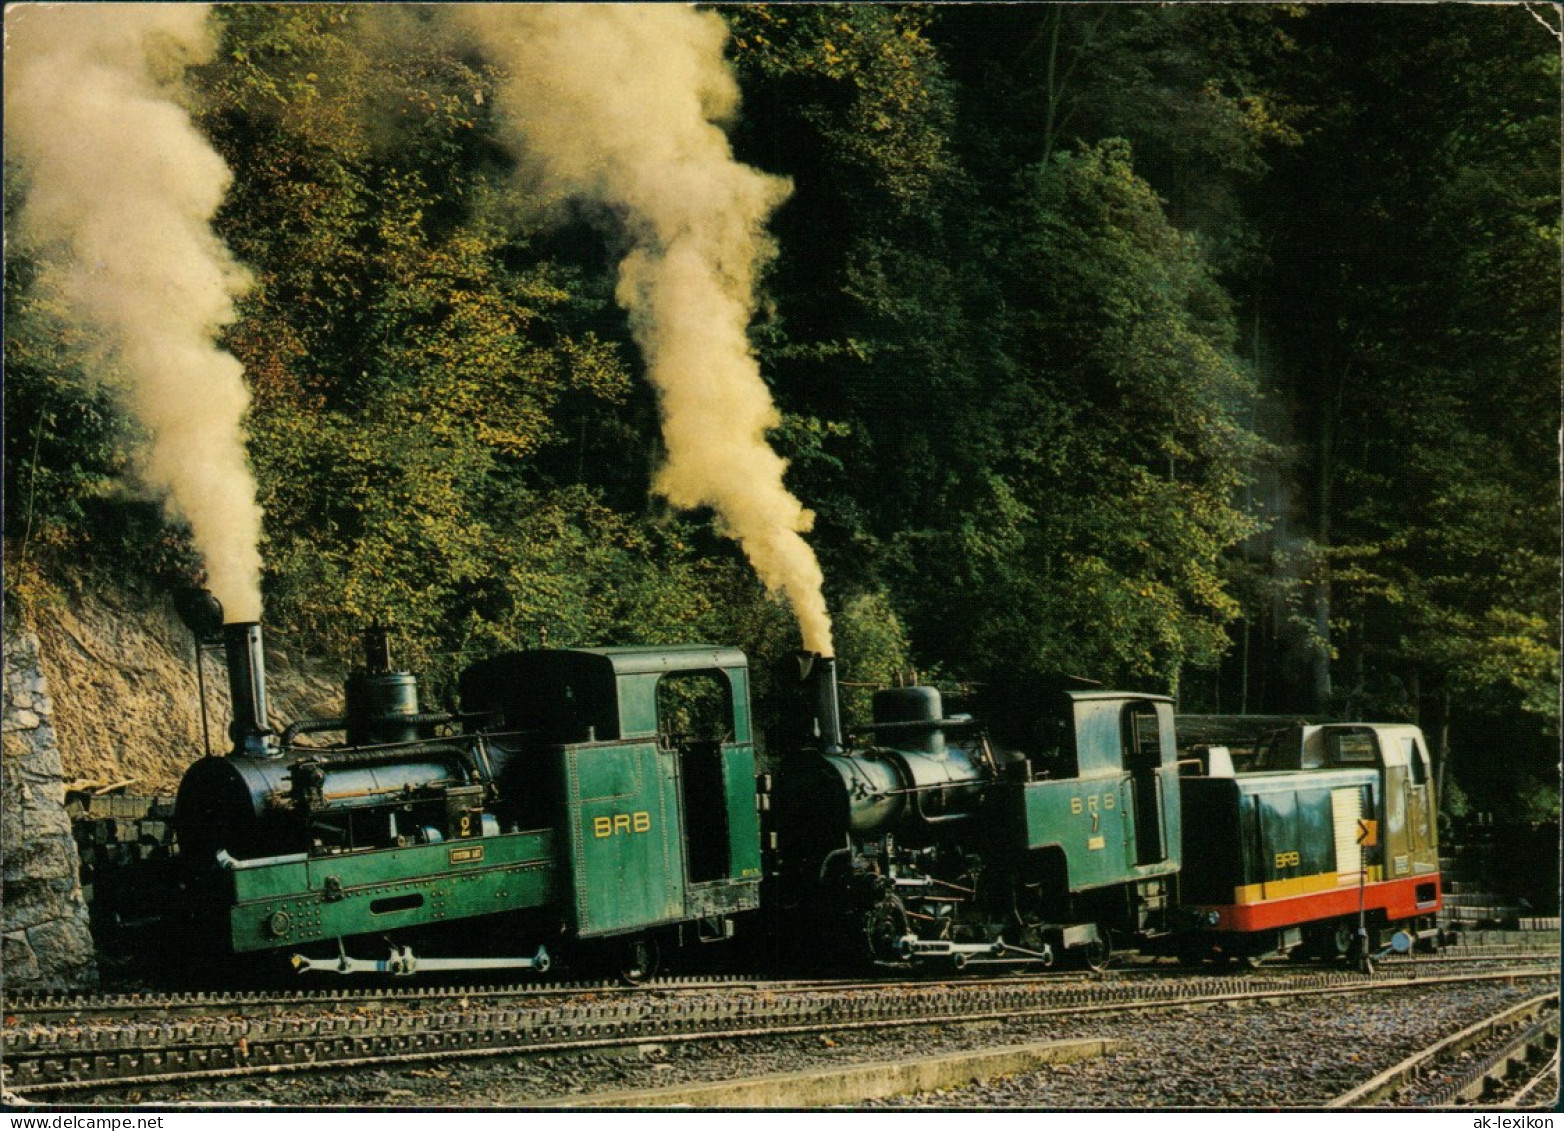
<point x="1098" y="823"/>
<point x="648" y="759"/>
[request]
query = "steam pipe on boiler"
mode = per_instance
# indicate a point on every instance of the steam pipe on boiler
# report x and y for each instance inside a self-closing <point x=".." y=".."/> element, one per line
<point x="202" y="614"/>
<point x="341" y="722"/>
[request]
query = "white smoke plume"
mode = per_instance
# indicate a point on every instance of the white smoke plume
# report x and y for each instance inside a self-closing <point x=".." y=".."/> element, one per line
<point x="618" y="105"/>
<point x="121" y="190"/>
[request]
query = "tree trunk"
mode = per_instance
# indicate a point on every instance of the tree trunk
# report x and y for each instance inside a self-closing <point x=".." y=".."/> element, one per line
<point x="1324" y="470"/>
<point x="1243" y="674"/>
<point x="1442" y="747"/>
<point x="1051" y="109"/>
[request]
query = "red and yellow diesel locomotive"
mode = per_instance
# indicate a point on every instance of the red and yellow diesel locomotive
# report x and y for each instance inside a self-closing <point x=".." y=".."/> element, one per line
<point x="1328" y="842"/>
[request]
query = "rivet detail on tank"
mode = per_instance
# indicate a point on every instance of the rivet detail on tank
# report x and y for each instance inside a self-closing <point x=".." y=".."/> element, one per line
<point x="279" y="923"/>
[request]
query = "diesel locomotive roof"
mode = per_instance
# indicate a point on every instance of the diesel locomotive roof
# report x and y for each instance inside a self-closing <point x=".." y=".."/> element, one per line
<point x="1316" y="746"/>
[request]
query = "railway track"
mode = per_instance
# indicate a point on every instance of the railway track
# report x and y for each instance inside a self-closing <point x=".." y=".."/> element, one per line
<point x="57" y="1008"/>
<point x="1542" y="1088"/>
<point x="47" y="1057"/>
<point x="44" y="1009"/>
<point x="1516" y="1056"/>
<point x="24" y="1009"/>
<point x="1410" y="962"/>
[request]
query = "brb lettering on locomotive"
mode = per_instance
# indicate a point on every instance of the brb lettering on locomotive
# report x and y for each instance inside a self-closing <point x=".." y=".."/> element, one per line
<point x="628" y="823"/>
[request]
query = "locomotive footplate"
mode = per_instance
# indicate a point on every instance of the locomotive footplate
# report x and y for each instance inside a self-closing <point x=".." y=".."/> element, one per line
<point x="1078" y="937"/>
<point x="913" y="949"/>
<point x="404" y="963"/>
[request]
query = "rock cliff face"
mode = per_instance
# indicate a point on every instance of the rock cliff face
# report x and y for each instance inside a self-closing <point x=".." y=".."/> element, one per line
<point x="122" y="667"/>
<point x="102" y="690"/>
<point x="43" y="920"/>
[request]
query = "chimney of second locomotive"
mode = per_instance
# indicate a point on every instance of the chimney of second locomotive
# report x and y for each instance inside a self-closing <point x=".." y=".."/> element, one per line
<point x="828" y="711"/>
<point x="247" y="687"/>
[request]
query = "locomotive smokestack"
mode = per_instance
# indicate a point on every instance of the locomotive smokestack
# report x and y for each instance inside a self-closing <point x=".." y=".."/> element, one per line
<point x="247" y="686"/>
<point x="828" y="711"/>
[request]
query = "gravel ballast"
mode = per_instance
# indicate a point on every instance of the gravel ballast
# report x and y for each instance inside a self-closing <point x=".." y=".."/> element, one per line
<point x="1267" y="1054"/>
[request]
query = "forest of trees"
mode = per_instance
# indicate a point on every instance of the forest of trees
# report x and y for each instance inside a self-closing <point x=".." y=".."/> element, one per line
<point x="1210" y="349"/>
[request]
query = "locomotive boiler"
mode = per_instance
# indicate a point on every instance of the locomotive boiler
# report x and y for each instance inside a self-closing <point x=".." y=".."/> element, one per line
<point x="928" y="772"/>
<point x="389" y="784"/>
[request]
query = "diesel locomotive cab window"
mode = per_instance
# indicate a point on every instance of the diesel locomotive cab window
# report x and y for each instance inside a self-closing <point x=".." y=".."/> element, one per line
<point x="1354" y="748"/>
<point x="693" y="707"/>
<point x="1415" y="756"/>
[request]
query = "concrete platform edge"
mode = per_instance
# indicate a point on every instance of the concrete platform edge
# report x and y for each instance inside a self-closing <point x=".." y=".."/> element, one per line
<point x="851" y="1083"/>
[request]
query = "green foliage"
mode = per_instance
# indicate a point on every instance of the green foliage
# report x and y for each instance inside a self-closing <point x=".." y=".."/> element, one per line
<point x="1002" y="330"/>
<point x="1415" y="245"/>
<point x="1453" y="802"/>
<point x="1194" y="88"/>
<point x="1093" y="542"/>
<point x="417" y="366"/>
<point x="866" y="78"/>
<point x="872" y="651"/>
<point x="73" y="504"/>
<point x="1539" y="803"/>
<point x="62" y="431"/>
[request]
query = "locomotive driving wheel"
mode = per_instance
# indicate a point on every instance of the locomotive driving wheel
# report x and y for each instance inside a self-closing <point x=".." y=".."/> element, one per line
<point x="884" y="926"/>
<point x="1099" y="952"/>
<point x="638" y="959"/>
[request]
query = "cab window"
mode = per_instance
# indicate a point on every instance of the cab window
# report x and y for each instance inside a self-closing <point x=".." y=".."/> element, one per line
<point x="1145" y="735"/>
<point x="1417" y="759"/>
<point x="1354" y="748"/>
<point x="694" y="706"/>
